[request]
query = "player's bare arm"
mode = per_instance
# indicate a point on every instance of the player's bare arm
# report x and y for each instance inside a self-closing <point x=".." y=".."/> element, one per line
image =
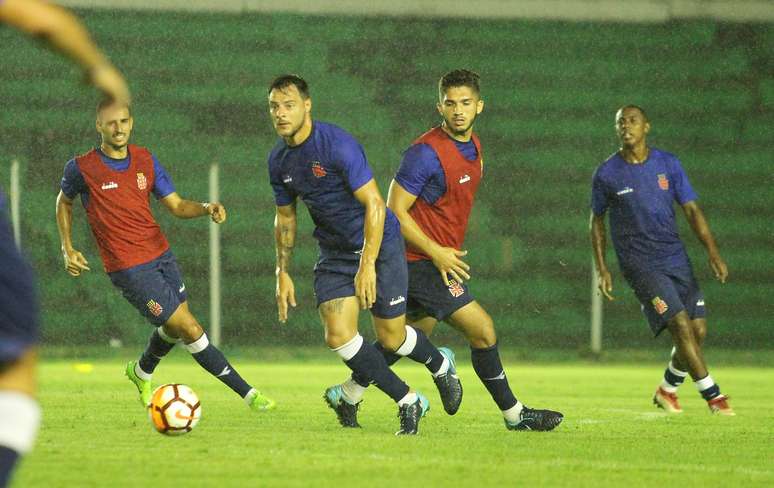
<point x="285" y="237"/>
<point x="373" y="230"/>
<point x="446" y="259"/>
<point x="700" y="227"/>
<point x="74" y="261"/>
<point x="598" y="243"/>
<point x="188" y="209"/>
<point x="60" y="29"/>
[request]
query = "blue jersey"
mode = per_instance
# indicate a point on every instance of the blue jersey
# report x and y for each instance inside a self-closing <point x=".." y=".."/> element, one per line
<point x="325" y="171"/>
<point x="73" y="183"/>
<point x="420" y="172"/>
<point x="642" y="216"/>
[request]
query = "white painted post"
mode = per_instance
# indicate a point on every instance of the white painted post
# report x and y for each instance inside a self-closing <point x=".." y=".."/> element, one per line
<point x="215" y="312"/>
<point x="596" y="311"/>
<point x="15" y="200"/>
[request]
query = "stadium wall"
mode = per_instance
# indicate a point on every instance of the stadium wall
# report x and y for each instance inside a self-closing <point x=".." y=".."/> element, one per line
<point x="551" y="89"/>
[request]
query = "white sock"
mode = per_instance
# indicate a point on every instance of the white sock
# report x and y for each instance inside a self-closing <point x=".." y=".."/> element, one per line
<point x="352" y="391"/>
<point x="443" y="369"/>
<point x="167" y="337"/>
<point x="704" y="383"/>
<point x="140" y="373"/>
<point x="513" y="414"/>
<point x="248" y="398"/>
<point x="667" y="387"/>
<point x="348" y="350"/>
<point x="409" y="399"/>
<point x="198" y="345"/>
<point x="19" y="421"/>
<point x="409" y="343"/>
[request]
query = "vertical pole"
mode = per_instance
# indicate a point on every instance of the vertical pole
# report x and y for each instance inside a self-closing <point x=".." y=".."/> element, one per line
<point x="214" y="262"/>
<point x="15" y="199"/>
<point x="596" y="312"/>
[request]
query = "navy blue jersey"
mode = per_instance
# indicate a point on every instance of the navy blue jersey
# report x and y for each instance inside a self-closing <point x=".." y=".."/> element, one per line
<point x="641" y="201"/>
<point x="73" y="183"/>
<point x="420" y="172"/>
<point x="325" y="171"/>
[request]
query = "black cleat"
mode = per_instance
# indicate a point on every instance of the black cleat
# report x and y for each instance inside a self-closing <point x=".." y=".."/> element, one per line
<point x="541" y="420"/>
<point x="410" y="415"/>
<point x="449" y="385"/>
<point x="345" y="412"/>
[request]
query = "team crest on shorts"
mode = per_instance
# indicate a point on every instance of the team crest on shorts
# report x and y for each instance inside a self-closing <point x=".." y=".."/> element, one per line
<point x="318" y="170"/>
<point x="142" y="181"/>
<point x="660" y="305"/>
<point x="663" y="182"/>
<point x="155" y="307"/>
<point x="456" y="289"/>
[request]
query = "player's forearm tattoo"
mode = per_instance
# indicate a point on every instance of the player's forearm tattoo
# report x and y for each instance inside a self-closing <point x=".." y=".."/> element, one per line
<point x="285" y="242"/>
<point x="332" y="306"/>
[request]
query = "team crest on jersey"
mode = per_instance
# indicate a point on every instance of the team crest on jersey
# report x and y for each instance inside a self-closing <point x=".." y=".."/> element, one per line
<point x="663" y="182"/>
<point x="660" y="305"/>
<point x="142" y="181"/>
<point x="455" y="289"/>
<point x="155" y="307"/>
<point x="318" y="170"/>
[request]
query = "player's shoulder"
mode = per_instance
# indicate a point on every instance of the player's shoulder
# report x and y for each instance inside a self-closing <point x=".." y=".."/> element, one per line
<point x="332" y="133"/>
<point x="608" y="165"/>
<point x="278" y="146"/>
<point x="665" y="156"/>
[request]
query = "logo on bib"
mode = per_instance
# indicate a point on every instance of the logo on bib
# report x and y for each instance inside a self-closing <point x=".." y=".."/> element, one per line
<point x="154" y="307"/>
<point x="455" y="289"/>
<point x="142" y="181"/>
<point x="660" y="305"/>
<point x="318" y="170"/>
<point x="663" y="182"/>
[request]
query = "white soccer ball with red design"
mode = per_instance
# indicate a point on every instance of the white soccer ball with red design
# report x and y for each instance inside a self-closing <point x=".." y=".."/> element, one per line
<point x="174" y="409"/>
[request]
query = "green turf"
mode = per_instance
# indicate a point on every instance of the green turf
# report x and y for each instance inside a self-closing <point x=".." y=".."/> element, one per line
<point x="95" y="433"/>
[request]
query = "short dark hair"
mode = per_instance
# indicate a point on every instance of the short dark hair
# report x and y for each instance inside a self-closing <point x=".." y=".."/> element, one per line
<point x="459" y="77"/>
<point x="636" y="107"/>
<point x="108" y="102"/>
<point x="284" y="81"/>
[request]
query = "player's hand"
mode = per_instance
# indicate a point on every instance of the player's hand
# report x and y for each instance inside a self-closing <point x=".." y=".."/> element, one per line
<point x="718" y="267"/>
<point x="448" y="262"/>
<point x="365" y="284"/>
<point x="110" y="82"/>
<point x="606" y="284"/>
<point x="74" y="262"/>
<point x="217" y="212"/>
<point x="285" y="294"/>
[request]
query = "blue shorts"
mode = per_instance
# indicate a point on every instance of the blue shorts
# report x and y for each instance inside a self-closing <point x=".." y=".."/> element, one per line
<point x="665" y="293"/>
<point x="334" y="277"/>
<point x="18" y="298"/>
<point x="428" y="294"/>
<point x="155" y="288"/>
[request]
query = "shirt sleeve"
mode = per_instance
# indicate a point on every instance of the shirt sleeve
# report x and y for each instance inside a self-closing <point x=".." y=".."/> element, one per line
<point x="419" y="164"/>
<point x="683" y="190"/>
<point x="162" y="185"/>
<point x="599" y="201"/>
<point x="72" y="182"/>
<point x="282" y="194"/>
<point x="349" y="154"/>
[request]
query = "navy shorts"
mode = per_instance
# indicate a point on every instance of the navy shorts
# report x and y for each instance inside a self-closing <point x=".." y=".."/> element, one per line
<point x="428" y="294"/>
<point x="334" y="277"/>
<point x="155" y="288"/>
<point x="18" y="298"/>
<point x="665" y="293"/>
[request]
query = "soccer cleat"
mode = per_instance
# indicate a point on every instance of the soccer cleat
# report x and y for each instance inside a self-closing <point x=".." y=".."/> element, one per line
<point x="260" y="402"/>
<point x="449" y="385"/>
<point x="410" y="415"/>
<point x="667" y="401"/>
<point x="541" y="420"/>
<point x="143" y="387"/>
<point x="719" y="406"/>
<point x="345" y="411"/>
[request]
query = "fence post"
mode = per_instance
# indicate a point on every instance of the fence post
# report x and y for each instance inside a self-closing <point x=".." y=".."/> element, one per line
<point x="215" y="312"/>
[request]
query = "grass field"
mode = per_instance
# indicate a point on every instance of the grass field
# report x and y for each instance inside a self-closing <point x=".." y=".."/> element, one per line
<point x="95" y="433"/>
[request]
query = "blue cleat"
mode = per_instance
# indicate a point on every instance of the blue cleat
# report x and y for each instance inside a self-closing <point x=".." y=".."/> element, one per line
<point x="345" y="411"/>
<point x="448" y="384"/>
<point x="410" y="415"/>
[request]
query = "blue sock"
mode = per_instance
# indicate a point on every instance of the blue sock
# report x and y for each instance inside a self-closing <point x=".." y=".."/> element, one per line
<point x="365" y="361"/>
<point x="489" y="368"/>
<point x="673" y="376"/>
<point x="157" y="348"/>
<point x="210" y="358"/>
<point x="8" y="458"/>
<point x="419" y="348"/>
<point x="389" y="357"/>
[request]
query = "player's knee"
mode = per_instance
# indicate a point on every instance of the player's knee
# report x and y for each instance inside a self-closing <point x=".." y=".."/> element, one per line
<point x="187" y="330"/>
<point x="680" y="328"/>
<point x="700" y="330"/>
<point x="390" y="340"/>
<point x="483" y="336"/>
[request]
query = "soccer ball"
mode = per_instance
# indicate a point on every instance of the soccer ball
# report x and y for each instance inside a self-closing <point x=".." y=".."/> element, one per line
<point x="174" y="409"/>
